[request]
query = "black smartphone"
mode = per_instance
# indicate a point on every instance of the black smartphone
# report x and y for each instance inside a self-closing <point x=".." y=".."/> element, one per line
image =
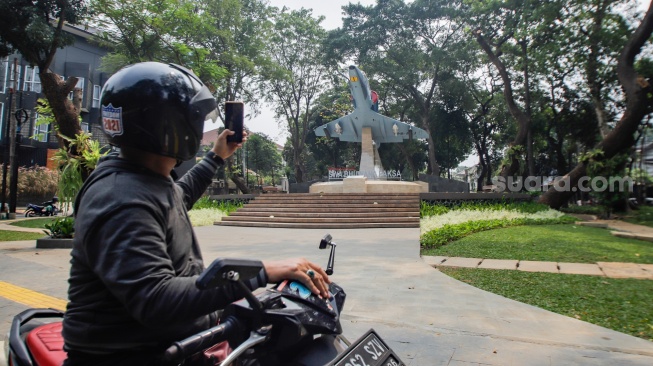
<point x="233" y="120"/>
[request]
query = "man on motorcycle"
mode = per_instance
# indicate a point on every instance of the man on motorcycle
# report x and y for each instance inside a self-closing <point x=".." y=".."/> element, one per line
<point x="135" y="256"/>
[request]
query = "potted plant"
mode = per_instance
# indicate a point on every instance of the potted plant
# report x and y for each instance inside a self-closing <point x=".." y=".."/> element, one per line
<point x="60" y="234"/>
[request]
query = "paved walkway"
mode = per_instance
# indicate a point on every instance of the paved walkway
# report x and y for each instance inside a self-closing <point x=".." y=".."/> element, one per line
<point x="427" y="317"/>
<point x="606" y="269"/>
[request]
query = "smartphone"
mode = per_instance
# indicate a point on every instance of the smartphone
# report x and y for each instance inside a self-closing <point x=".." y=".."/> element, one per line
<point x="233" y="120"/>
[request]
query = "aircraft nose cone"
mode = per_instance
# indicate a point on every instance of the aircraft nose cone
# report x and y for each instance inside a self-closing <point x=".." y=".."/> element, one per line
<point x="352" y="67"/>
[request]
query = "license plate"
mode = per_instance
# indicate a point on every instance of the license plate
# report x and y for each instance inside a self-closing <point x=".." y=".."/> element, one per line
<point x="368" y="350"/>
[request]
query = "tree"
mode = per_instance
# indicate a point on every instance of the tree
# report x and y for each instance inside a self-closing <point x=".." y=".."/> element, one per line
<point x="263" y="157"/>
<point x="510" y="33"/>
<point x="409" y="46"/>
<point x="35" y="29"/>
<point x="639" y="100"/>
<point x="220" y="40"/>
<point x="295" y="77"/>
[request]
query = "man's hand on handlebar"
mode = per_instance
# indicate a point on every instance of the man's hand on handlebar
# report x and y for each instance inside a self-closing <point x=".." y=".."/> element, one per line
<point x="299" y="269"/>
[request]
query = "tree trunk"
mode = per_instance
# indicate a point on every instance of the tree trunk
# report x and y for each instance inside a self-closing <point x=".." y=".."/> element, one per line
<point x="433" y="164"/>
<point x="638" y="104"/>
<point x="65" y="111"/>
<point x="527" y="103"/>
<point x="410" y="161"/>
<point x="592" y="71"/>
<point x="523" y="119"/>
<point x="240" y="183"/>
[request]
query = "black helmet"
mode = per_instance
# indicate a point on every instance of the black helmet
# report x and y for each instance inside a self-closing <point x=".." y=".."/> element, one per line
<point x="157" y="108"/>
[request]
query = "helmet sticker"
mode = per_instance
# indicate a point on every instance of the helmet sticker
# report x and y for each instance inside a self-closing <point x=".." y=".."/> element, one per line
<point x="112" y="120"/>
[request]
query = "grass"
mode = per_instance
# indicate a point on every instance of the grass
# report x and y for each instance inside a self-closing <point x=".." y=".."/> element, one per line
<point x="34" y="223"/>
<point x="623" y="305"/>
<point x="642" y="216"/>
<point x="7" y="235"/>
<point x="558" y="243"/>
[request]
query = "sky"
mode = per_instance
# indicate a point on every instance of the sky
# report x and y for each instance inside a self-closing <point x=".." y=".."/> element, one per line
<point x="332" y="11"/>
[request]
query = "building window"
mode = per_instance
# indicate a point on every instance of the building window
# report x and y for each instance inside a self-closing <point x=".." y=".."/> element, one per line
<point x="4" y="65"/>
<point x="40" y="130"/>
<point x="8" y="76"/>
<point x="85" y="126"/>
<point x="2" y="120"/>
<point x="32" y="80"/>
<point x="80" y="84"/>
<point x="96" y="96"/>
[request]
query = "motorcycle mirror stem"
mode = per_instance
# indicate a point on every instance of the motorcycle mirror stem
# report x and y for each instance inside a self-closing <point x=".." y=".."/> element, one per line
<point x="324" y="243"/>
<point x="234" y="276"/>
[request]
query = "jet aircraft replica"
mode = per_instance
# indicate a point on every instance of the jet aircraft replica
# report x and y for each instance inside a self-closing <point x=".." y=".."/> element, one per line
<point x="365" y="125"/>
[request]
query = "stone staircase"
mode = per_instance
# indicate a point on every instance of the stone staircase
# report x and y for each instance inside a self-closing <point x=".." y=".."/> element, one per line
<point x="328" y="211"/>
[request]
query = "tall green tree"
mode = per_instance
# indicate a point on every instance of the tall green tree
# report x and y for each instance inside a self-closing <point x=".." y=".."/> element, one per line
<point x="164" y="31"/>
<point x="510" y="33"/>
<point x="263" y="157"/>
<point x="415" y="47"/>
<point x="296" y="77"/>
<point x="35" y="29"/>
<point x="638" y="103"/>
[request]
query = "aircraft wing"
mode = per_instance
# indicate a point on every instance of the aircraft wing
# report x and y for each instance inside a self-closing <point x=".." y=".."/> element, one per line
<point x="384" y="129"/>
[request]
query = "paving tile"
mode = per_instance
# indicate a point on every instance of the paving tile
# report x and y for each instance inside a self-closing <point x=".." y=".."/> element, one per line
<point x="627" y="235"/>
<point x="533" y="266"/>
<point x="625" y="270"/>
<point x="647" y="267"/>
<point x="433" y="261"/>
<point x="592" y="269"/>
<point x="461" y="262"/>
<point x="499" y="264"/>
<point x="592" y="224"/>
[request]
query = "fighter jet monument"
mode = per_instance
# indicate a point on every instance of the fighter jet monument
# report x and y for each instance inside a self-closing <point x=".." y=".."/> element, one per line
<point x="367" y="126"/>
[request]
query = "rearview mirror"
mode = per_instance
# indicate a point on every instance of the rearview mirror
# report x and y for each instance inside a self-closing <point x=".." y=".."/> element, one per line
<point x="225" y="270"/>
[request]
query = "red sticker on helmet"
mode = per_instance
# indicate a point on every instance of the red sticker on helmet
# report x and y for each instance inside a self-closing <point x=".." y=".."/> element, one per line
<point x="112" y="120"/>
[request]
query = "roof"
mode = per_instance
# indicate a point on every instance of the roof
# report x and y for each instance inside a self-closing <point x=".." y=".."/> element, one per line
<point x="209" y="137"/>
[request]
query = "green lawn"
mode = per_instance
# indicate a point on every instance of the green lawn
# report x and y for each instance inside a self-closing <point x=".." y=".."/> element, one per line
<point x="558" y="243"/>
<point x="643" y="216"/>
<point x="34" y="223"/>
<point x="620" y="304"/>
<point x="7" y="235"/>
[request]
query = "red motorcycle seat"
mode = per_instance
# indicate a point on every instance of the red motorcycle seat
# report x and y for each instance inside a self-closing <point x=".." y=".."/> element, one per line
<point x="46" y="345"/>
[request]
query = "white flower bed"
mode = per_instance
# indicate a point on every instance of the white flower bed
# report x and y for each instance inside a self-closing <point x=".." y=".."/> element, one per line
<point x="459" y="216"/>
<point x="205" y="216"/>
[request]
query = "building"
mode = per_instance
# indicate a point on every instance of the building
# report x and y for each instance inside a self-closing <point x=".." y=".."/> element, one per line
<point x="82" y="60"/>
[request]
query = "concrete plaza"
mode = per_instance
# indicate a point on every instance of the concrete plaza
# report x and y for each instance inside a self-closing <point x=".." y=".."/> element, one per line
<point x="427" y="317"/>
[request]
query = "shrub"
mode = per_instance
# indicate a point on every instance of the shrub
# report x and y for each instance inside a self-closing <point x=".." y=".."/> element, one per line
<point x="60" y="228"/>
<point x="225" y="206"/>
<point x="37" y="181"/>
<point x="434" y="209"/>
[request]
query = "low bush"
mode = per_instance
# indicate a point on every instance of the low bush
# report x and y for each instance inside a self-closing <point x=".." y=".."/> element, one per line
<point x="434" y="209"/>
<point x="585" y="210"/>
<point x="450" y="232"/>
<point x="225" y="206"/>
<point x="63" y="227"/>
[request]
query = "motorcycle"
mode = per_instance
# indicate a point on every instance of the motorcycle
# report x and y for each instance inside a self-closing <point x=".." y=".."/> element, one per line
<point x="48" y="208"/>
<point x="283" y="325"/>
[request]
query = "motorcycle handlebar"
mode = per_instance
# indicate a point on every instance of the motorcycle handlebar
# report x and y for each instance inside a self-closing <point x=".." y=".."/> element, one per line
<point x="197" y="342"/>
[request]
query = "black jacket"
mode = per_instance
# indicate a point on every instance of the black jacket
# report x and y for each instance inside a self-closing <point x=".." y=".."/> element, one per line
<point x="135" y="259"/>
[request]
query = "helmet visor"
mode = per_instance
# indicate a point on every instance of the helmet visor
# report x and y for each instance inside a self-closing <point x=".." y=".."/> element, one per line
<point x="203" y="107"/>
